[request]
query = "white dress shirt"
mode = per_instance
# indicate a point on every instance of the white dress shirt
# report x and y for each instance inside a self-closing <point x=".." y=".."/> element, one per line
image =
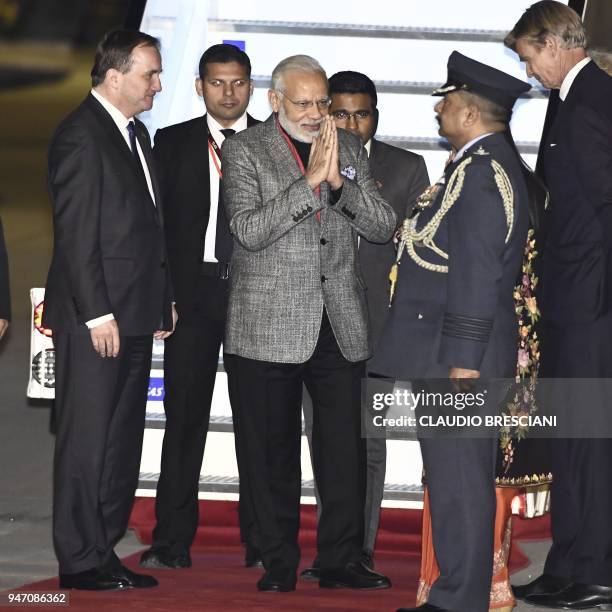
<point x="211" y="230"/>
<point x="121" y="121"/>
<point x="570" y="76"/>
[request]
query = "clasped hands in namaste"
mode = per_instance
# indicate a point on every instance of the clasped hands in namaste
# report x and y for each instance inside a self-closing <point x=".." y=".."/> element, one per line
<point x="323" y="164"/>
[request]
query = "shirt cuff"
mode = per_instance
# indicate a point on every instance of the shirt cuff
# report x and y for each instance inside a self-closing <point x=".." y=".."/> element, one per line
<point x="99" y="320"/>
<point x="335" y="194"/>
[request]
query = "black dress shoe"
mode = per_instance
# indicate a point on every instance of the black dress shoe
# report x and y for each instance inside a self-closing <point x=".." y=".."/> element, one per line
<point x="278" y="580"/>
<point x="252" y="556"/>
<point x="93" y="580"/>
<point x="133" y="580"/>
<point x="576" y="597"/>
<point x="543" y="585"/>
<point x="426" y="607"/>
<point x="163" y="557"/>
<point x="367" y="559"/>
<point x="352" y="576"/>
<point x="312" y="573"/>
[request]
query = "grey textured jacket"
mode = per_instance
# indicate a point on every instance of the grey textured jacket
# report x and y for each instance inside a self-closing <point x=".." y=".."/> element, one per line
<point x="287" y="265"/>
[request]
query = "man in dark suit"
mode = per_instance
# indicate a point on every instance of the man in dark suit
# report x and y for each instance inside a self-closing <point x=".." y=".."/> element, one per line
<point x="576" y="299"/>
<point x="199" y="249"/>
<point x="401" y="176"/>
<point x="453" y="313"/>
<point x="108" y="294"/>
<point x="5" y="292"/>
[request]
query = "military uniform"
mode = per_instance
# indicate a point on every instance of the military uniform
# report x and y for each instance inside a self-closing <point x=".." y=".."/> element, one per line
<point x="460" y="311"/>
<point x="453" y="307"/>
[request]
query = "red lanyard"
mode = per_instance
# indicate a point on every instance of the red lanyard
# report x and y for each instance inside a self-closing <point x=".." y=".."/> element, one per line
<point x="298" y="159"/>
<point x="215" y="152"/>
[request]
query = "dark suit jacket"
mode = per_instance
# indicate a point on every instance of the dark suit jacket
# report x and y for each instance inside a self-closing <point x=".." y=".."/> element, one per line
<point x="577" y="272"/>
<point x="181" y="153"/>
<point x="109" y="254"/>
<point x="401" y="177"/>
<point x="463" y="318"/>
<point x="5" y="294"/>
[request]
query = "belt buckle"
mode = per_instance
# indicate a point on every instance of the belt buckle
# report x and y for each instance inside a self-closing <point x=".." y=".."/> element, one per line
<point x="223" y="269"/>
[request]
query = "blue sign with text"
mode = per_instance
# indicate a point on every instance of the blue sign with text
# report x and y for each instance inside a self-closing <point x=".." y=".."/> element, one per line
<point x="156" y="390"/>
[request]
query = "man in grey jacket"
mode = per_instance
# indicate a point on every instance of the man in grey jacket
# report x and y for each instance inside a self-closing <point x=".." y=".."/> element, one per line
<point x="298" y="193"/>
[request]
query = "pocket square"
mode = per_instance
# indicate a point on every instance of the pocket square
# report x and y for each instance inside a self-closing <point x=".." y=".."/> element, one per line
<point x="349" y="172"/>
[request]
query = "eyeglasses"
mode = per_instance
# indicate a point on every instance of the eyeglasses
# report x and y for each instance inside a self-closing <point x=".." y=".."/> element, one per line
<point x="322" y="104"/>
<point x="360" y="115"/>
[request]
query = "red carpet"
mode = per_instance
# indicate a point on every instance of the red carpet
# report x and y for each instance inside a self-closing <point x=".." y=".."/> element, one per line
<point x="400" y="530"/>
<point x="218" y="581"/>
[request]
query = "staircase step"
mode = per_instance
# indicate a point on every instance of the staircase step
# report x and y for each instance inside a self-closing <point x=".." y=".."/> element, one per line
<point x="228" y="484"/>
<point x="422" y="88"/>
<point x="352" y="30"/>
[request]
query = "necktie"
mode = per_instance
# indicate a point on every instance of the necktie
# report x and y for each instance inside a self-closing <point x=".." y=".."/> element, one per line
<point x="131" y="128"/>
<point x="223" y="239"/>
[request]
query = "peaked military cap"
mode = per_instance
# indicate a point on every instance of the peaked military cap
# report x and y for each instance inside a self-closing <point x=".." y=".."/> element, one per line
<point x="465" y="73"/>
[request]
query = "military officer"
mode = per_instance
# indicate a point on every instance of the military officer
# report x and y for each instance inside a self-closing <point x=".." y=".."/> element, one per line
<point x="453" y="315"/>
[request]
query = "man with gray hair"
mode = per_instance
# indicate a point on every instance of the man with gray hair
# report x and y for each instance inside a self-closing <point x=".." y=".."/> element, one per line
<point x="298" y="194"/>
<point x="576" y="300"/>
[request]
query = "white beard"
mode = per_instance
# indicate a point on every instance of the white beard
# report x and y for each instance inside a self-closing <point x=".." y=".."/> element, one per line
<point x="293" y="129"/>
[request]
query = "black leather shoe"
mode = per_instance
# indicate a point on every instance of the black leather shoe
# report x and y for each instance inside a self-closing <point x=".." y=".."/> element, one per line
<point x="278" y="580"/>
<point x="163" y="557"/>
<point x="312" y="573"/>
<point x="93" y="580"/>
<point x="133" y="580"/>
<point x="576" y="597"/>
<point x="367" y="559"/>
<point x="543" y="585"/>
<point x="426" y="607"/>
<point x="352" y="576"/>
<point x="252" y="556"/>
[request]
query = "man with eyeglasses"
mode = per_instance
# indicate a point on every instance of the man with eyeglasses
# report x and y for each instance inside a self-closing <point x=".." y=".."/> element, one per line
<point x="298" y="194"/>
<point x="401" y="176"/>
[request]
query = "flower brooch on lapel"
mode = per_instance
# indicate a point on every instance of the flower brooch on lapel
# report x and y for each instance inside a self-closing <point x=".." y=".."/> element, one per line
<point x="349" y="172"/>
